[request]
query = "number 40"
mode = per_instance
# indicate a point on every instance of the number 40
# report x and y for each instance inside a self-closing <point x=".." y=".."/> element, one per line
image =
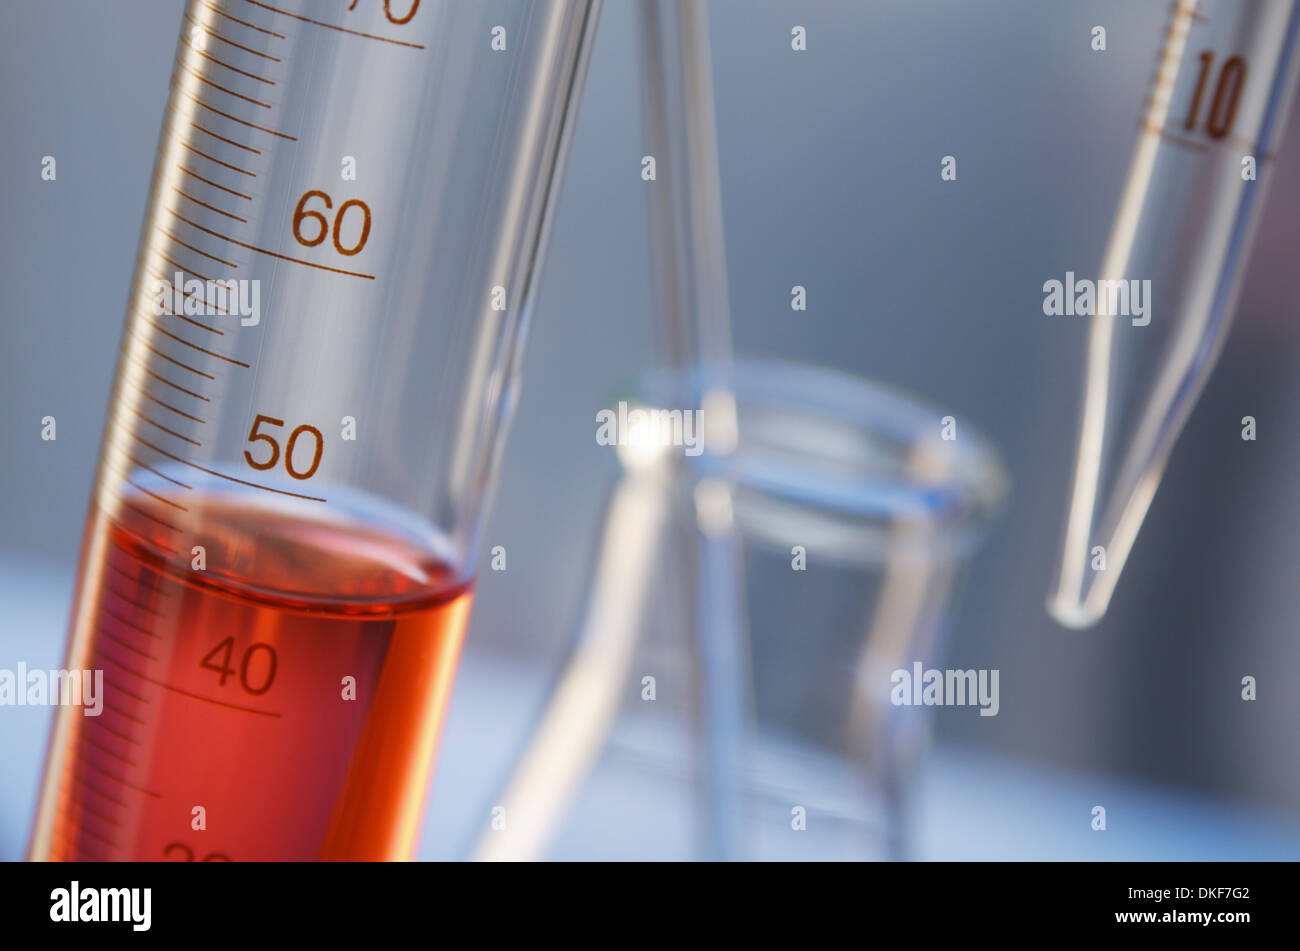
<point x="219" y="659"/>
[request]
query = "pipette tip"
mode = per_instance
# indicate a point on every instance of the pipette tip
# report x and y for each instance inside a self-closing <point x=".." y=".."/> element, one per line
<point x="1072" y="614"/>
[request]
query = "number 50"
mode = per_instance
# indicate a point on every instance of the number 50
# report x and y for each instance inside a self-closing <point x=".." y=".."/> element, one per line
<point x="255" y="436"/>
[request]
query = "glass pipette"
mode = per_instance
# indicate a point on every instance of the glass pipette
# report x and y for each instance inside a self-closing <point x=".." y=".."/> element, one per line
<point x="1224" y="78"/>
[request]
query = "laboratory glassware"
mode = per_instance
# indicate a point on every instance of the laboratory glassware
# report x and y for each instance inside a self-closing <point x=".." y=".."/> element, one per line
<point x="854" y="518"/>
<point x="692" y="317"/>
<point x="1224" y="79"/>
<point x="319" y="362"/>
<point x="692" y="330"/>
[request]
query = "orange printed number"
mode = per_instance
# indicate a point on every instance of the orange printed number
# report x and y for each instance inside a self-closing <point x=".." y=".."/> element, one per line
<point x="1227" y="94"/>
<point x="219" y="659"/>
<point x="289" y="454"/>
<point x="255" y="436"/>
<point x="388" y="11"/>
<point x="319" y="226"/>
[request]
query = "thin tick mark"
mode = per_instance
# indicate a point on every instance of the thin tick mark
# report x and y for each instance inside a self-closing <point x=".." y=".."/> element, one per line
<point x="117" y="779"/>
<point x="230" y="42"/>
<point x="222" y="475"/>
<point x="220" y="88"/>
<point x="180" y="267"/>
<point x="207" y="206"/>
<point x="104" y="726"/>
<point x="233" y="168"/>
<point x="229" y="264"/>
<point x="122" y="713"/>
<point x="251" y="125"/>
<point x="274" y="254"/>
<point x="169" y="406"/>
<point x="208" y="181"/>
<point x="136" y="579"/>
<point x="170" y="432"/>
<point x="105" y="749"/>
<point x="241" y="22"/>
<point x="131" y="624"/>
<point x="184" y="366"/>
<point x="246" y="148"/>
<point x="134" y="650"/>
<point x="213" y="59"/>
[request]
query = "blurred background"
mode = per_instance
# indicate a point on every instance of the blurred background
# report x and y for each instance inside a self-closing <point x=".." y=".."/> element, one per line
<point x="830" y="178"/>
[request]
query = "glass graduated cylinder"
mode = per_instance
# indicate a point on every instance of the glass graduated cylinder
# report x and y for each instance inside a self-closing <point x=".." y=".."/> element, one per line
<point x="318" y="366"/>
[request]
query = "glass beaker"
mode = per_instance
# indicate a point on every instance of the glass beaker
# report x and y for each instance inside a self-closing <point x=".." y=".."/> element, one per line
<point x="832" y="538"/>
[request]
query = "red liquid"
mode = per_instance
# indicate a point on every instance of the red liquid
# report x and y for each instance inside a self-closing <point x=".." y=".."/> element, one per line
<point x="225" y="689"/>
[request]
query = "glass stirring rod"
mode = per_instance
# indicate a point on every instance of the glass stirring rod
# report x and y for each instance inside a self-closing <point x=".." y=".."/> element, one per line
<point x="1224" y="79"/>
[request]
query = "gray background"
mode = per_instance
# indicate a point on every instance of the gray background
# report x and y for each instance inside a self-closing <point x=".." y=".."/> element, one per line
<point x="830" y="178"/>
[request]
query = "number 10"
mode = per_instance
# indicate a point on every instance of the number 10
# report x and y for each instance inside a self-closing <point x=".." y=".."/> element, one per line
<point x="1224" y="107"/>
